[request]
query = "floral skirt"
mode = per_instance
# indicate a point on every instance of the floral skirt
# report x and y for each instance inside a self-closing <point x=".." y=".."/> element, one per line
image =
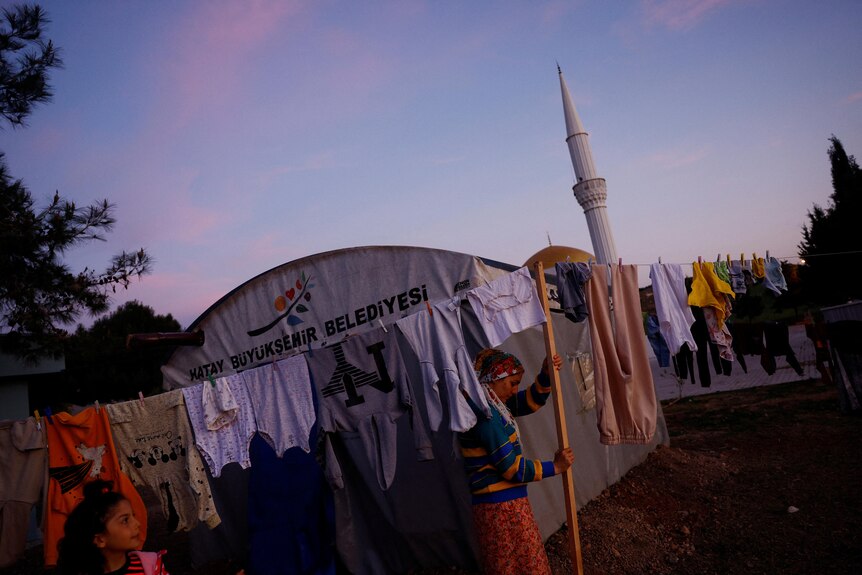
<point x="509" y="539"/>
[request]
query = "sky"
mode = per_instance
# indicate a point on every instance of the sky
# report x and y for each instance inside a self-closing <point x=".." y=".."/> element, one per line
<point x="236" y="136"/>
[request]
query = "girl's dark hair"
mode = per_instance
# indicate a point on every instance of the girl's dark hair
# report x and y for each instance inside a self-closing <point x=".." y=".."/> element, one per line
<point x="78" y="553"/>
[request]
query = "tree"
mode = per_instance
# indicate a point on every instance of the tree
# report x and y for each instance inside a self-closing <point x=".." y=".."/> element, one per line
<point x="39" y="293"/>
<point x="25" y="59"/>
<point x="98" y="365"/>
<point x="831" y="243"/>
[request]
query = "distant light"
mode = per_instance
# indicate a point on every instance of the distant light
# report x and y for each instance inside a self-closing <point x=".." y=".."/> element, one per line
<point x="802" y="261"/>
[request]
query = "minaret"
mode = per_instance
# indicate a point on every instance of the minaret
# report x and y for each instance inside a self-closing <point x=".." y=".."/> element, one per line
<point x="590" y="190"/>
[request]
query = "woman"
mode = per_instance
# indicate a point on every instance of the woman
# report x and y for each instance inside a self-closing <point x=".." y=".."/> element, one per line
<point x="508" y="536"/>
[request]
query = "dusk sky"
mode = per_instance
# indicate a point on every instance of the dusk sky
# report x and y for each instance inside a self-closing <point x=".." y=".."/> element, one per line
<point x="236" y="136"/>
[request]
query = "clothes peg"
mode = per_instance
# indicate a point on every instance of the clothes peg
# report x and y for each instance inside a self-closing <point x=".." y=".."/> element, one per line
<point x="38" y="419"/>
<point x="718" y="257"/>
<point x="620" y="262"/>
<point x="428" y="305"/>
<point x="48" y="414"/>
<point x="699" y="260"/>
<point x="767" y="255"/>
<point x="741" y="258"/>
<point x="209" y="377"/>
<point x="659" y="259"/>
<point x="97" y="406"/>
<point x="380" y="321"/>
<point x="141" y="396"/>
<point x="728" y="260"/>
<point x="310" y="353"/>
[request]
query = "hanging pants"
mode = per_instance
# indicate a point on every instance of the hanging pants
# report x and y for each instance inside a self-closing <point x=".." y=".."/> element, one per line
<point x="625" y="396"/>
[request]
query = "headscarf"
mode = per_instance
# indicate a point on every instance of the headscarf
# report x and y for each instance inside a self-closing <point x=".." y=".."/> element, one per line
<point x="494" y="364"/>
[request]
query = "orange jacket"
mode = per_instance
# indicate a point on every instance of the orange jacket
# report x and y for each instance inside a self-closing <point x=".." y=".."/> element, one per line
<point x="80" y="450"/>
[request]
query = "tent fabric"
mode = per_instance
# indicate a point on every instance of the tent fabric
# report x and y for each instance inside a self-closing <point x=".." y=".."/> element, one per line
<point x="303" y="305"/>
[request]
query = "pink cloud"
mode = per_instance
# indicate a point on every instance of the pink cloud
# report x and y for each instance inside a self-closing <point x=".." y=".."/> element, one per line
<point x="854" y="97"/>
<point x="679" y="14"/>
<point x="210" y="48"/>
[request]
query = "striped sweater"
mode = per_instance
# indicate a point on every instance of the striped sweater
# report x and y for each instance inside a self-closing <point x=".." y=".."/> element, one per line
<point x="496" y="468"/>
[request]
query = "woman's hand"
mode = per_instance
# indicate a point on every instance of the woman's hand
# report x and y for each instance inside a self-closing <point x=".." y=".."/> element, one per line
<point x="558" y="363"/>
<point x="563" y="459"/>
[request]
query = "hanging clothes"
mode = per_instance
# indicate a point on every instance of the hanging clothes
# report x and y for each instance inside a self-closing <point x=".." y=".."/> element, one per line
<point x="506" y="305"/>
<point x="656" y="341"/>
<point x="719" y="335"/>
<point x="737" y="278"/>
<point x="438" y="343"/>
<point x="229" y="442"/>
<point x="281" y="398"/>
<point x="23" y="464"/>
<point x="722" y="270"/>
<point x="156" y="449"/>
<point x="672" y="308"/>
<point x="707" y="290"/>
<point x="777" y="343"/>
<point x="758" y="269"/>
<point x="683" y="363"/>
<point x="81" y="450"/>
<point x="571" y="278"/>
<point x="363" y="387"/>
<point x="700" y="332"/>
<point x="625" y="395"/>
<point x="773" y="277"/>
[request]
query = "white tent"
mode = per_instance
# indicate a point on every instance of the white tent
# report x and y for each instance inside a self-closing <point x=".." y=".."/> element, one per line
<point x="308" y="303"/>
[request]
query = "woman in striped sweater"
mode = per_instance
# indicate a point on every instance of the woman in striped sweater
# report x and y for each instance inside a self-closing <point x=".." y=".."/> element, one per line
<point x="508" y="536"/>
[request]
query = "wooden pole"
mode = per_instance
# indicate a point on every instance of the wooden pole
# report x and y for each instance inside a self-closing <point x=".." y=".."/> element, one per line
<point x="562" y="432"/>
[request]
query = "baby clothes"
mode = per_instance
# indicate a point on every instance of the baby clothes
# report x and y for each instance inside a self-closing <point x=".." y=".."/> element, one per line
<point x="220" y="407"/>
<point x="438" y="343"/>
<point x="22" y="476"/>
<point x="671" y="304"/>
<point x="708" y="290"/>
<point x="774" y="277"/>
<point x="757" y="268"/>
<point x="281" y="397"/>
<point x="737" y="278"/>
<point x="363" y="386"/>
<point x="81" y="450"/>
<point x="155" y="447"/>
<point x="625" y="395"/>
<point x="722" y="271"/>
<point x="228" y="443"/>
<point x="719" y="335"/>
<point x="507" y="305"/>
<point x="571" y="278"/>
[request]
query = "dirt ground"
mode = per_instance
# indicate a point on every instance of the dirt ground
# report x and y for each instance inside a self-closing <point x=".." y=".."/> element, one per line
<point x="761" y="481"/>
<point x="765" y="480"/>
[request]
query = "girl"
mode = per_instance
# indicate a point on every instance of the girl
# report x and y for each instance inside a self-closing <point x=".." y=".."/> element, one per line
<point x="102" y="536"/>
<point x="508" y="537"/>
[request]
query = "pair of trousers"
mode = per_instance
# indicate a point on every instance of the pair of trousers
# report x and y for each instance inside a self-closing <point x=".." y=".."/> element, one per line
<point x="625" y="396"/>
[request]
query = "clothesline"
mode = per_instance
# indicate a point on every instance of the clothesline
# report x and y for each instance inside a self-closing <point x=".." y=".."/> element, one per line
<point x="797" y="257"/>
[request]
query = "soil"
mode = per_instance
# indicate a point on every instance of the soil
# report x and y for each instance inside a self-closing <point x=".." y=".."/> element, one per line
<point x="760" y="481"/>
<point x="763" y="480"/>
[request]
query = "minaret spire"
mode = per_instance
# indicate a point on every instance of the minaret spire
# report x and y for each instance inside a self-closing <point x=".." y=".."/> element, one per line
<point x="590" y="190"/>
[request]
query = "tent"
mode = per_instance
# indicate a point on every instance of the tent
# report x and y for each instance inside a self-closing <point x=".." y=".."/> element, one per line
<point x="423" y="520"/>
